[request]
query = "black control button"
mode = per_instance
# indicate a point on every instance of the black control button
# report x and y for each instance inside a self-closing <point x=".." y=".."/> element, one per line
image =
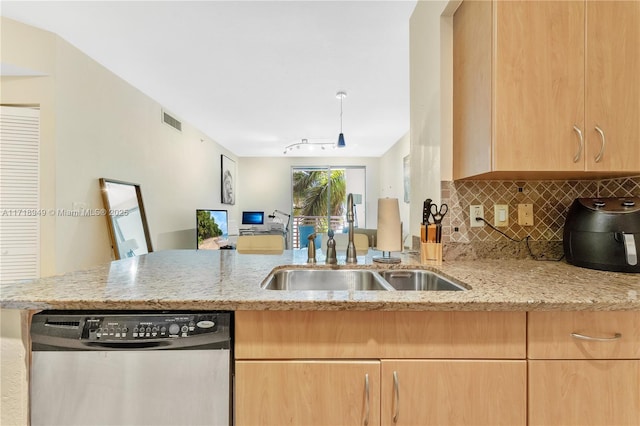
<point x="185" y="328"/>
<point x="174" y="329"/>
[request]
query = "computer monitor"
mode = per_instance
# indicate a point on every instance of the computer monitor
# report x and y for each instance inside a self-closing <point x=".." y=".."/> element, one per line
<point x="253" y="218"/>
<point x="212" y="228"/>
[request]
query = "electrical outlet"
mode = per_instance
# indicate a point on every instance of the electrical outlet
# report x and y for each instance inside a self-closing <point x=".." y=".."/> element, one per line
<point x="476" y="210"/>
<point x="501" y="217"/>
<point x="525" y="214"/>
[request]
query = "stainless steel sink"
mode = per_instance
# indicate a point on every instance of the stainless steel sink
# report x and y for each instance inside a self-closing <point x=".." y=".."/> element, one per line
<point x="419" y="280"/>
<point x="326" y="279"/>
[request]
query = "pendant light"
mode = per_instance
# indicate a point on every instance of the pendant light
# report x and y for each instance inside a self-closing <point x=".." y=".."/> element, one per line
<point x="341" y="143"/>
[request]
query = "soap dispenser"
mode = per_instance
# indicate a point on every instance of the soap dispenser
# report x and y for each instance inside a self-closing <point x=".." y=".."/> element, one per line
<point x="331" y="249"/>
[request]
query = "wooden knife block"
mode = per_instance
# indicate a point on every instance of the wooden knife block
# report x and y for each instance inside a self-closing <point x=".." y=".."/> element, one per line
<point x="431" y="253"/>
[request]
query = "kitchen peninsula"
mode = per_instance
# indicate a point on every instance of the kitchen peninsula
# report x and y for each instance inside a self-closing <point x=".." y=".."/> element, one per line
<point x="191" y="279"/>
<point x="505" y="344"/>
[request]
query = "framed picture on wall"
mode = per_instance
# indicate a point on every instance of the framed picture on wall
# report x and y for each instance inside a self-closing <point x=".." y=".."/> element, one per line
<point x="228" y="180"/>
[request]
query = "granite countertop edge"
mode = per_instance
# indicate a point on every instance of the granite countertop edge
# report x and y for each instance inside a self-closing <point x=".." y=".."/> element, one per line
<point x="225" y="280"/>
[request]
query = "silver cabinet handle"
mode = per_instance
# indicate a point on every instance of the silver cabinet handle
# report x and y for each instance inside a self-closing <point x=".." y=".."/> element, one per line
<point x="616" y="336"/>
<point x="396" y="392"/>
<point x="576" y="157"/>
<point x="599" y="156"/>
<point x="366" y="392"/>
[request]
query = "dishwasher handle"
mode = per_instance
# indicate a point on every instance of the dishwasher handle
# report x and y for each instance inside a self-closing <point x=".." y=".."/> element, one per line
<point x="126" y="345"/>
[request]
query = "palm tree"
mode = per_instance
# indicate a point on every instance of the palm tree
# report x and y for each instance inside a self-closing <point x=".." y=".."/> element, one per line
<point x="207" y="226"/>
<point x="318" y="193"/>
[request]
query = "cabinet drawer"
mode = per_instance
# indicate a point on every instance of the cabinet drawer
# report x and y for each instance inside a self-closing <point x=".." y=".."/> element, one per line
<point x="584" y="335"/>
<point x="307" y="334"/>
<point x="454" y="335"/>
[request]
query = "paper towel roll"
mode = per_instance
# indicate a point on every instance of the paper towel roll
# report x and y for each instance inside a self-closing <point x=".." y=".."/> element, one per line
<point x="389" y="225"/>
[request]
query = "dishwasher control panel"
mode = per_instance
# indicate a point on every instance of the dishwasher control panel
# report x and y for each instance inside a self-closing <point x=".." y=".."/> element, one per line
<point x="101" y="327"/>
<point x="158" y="329"/>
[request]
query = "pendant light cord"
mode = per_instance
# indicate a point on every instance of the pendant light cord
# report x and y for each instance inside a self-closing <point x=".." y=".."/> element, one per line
<point x="341" y="98"/>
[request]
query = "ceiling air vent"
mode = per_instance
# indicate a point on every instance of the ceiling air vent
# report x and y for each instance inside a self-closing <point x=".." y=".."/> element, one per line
<point x="171" y="121"/>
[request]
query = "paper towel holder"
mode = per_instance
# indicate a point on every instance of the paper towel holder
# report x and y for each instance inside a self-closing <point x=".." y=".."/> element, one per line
<point x="386" y="258"/>
<point x="389" y="230"/>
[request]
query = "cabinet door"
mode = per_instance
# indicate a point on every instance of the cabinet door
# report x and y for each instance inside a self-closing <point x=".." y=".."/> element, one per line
<point x="307" y="393"/>
<point x="586" y="393"/>
<point x="613" y="87"/>
<point x="456" y="392"/>
<point x="538" y="82"/>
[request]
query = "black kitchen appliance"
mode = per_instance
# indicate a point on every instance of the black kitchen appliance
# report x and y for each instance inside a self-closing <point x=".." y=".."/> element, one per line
<point x="603" y="233"/>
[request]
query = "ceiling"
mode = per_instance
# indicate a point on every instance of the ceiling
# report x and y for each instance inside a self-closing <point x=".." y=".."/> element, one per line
<point x="254" y="76"/>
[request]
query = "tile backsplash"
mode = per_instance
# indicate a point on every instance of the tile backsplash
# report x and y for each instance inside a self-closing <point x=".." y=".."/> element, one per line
<point x="551" y="200"/>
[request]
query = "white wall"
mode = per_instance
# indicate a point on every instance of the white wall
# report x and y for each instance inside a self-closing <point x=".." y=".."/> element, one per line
<point x="391" y="179"/>
<point x="97" y="125"/>
<point x="35" y="50"/>
<point x="426" y="102"/>
<point x="265" y="183"/>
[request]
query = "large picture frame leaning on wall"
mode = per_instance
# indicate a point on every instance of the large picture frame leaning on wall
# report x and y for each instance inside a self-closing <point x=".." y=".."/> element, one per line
<point x="126" y="218"/>
<point x="227" y="180"/>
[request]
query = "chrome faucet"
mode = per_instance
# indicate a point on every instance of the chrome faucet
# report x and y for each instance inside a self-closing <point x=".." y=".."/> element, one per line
<point x="311" y="248"/>
<point x="351" y="247"/>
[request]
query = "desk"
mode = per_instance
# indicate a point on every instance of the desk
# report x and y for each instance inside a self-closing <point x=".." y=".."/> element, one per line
<point x="263" y="231"/>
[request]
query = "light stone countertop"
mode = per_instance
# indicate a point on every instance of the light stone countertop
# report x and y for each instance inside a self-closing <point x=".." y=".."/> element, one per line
<point x="226" y="280"/>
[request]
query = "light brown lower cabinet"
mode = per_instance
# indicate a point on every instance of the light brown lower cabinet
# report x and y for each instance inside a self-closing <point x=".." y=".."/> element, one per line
<point x="306" y="392"/>
<point x="584" y="368"/>
<point x="584" y="392"/>
<point x="343" y="368"/>
<point x="387" y="392"/>
<point x="454" y="392"/>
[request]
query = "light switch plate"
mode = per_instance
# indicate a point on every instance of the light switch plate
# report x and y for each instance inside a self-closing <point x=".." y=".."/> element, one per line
<point x="501" y="217"/>
<point x="476" y="210"/>
<point x="525" y="214"/>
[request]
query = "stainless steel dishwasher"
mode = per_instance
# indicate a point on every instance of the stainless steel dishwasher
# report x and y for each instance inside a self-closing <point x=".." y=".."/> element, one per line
<point x="131" y="368"/>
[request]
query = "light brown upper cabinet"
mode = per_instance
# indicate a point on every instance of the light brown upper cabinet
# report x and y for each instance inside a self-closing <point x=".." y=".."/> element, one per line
<point x="546" y="89"/>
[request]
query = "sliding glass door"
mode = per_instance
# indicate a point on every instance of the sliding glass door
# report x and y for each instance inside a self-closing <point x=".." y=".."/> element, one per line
<point x="319" y="197"/>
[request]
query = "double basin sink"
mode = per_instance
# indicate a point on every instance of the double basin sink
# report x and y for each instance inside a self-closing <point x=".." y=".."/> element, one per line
<point x="359" y="280"/>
